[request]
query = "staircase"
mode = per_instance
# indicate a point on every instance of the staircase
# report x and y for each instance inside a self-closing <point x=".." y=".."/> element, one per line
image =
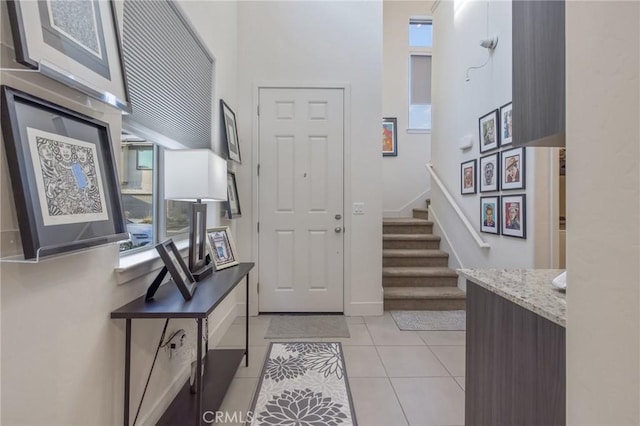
<point x="415" y="275"/>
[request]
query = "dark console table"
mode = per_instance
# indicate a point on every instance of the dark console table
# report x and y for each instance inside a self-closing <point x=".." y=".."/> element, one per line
<point x="220" y="364"/>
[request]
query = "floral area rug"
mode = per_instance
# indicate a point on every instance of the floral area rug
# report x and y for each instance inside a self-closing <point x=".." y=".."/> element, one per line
<point x="303" y="384"/>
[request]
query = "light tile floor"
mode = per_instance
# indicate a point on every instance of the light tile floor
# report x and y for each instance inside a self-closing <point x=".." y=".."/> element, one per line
<point x="396" y="377"/>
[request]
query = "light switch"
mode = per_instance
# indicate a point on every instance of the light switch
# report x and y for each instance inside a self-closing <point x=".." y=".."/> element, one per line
<point x="358" y="208"/>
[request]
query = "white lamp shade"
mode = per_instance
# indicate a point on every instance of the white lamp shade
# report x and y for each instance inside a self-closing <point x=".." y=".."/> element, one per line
<point x="194" y="174"/>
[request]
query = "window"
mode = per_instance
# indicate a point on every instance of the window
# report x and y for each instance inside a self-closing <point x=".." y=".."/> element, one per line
<point x="420" y="43"/>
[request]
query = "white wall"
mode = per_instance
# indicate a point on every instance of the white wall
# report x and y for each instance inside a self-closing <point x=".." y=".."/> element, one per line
<point x="62" y="356"/>
<point x="457" y="106"/>
<point x="316" y="42"/>
<point x="603" y="206"/>
<point x="405" y="181"/>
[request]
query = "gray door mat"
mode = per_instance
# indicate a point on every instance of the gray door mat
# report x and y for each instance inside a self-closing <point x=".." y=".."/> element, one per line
<point x="307" y="326"/>
<point x="430" y="320"/>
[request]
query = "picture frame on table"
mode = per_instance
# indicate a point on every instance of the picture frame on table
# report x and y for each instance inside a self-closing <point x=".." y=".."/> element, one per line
<point x="63" y="176"/>
<point x="75" y="43"/>
<point x="177" y="267"/>
<point x="506" y="121"/>
<point x="222" y="247"/>
<point x="390" y="137"/>
<point x="468" y="177"/>
<point x="490" y="173"/>
<point x="230" y="132"/>
<point x="490" y="215"/>
<point x="513" y="169"/>
<point x="489" y="128"/>
<point x="514" y="219"/>
<point x="233" y="201"/>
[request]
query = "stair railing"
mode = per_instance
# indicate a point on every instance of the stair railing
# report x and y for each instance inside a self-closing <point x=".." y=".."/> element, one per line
<point x="472" y="230"/>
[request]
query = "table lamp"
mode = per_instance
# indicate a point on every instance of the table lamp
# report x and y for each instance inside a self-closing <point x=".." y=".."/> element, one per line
<point x="198" y="176"/>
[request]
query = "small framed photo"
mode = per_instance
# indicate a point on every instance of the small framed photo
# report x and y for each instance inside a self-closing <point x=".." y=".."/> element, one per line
<point x="177" y="268"/>
<point x="233" y="201"/>
<point x="489" y="131"/>
<point x="223" y="249"/>
<point x="514" y="222"/>
<point x="490" y="172"/>
<point x="230" y="131"/>
<point x="468" y="177"/>
<point x="490" y="215"/>
<point x="505" y="124"/>
<point x="389" y="137"/>
<point x="76" y="43"/>
<point x="512" y="169"/>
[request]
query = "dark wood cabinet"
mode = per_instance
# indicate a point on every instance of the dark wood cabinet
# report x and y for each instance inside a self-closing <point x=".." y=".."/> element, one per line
<point x="515" y="367"/>
<point x="538" y="73"/>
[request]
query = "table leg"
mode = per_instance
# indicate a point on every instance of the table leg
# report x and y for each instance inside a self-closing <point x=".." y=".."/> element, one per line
<point x="246" y="332"/>
<point x="127" y="370"/>
<point x="199" y="375"/>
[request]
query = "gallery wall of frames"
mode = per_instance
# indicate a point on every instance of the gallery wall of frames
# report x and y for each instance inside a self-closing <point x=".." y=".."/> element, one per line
<point x="499" y="170"/>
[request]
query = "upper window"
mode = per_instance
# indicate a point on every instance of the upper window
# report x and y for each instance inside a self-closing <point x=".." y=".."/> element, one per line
<point x="420" y="33"/>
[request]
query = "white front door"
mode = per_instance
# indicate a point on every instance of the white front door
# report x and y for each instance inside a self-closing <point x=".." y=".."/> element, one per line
<point x="300" y="179"/>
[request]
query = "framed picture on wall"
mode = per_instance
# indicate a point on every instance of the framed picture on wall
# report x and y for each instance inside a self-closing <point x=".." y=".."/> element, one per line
<point x="389" y="137"/>
<point x="63" y="176"/>
<point x="230" y="131"/>
<point x="233" y="202"/>
<point x="222" y="247"/>
<point x="505" y="124"/>
<point x="490" y="215"/>
<point x="74" y="42"/>
<point x="512" y="169"/>
<point x="468" y="177"/>
<point x="514" y="222"/>
<point x="489" y="131"/>
<point x="490" y="172"/>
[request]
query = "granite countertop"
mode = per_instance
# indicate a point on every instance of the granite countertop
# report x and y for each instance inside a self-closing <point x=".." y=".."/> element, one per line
<point x="529" y="288"/>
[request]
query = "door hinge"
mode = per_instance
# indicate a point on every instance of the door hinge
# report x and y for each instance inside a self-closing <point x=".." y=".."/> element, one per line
<point x="258" y="110"/>
<point x="258" y="288"/>
<point x="258" y="169"/>
<point x="258" y="227"/>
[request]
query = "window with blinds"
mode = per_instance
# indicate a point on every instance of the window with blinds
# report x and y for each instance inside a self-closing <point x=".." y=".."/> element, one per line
<point x="420" y="92"/>
<point x="170" y="75"/>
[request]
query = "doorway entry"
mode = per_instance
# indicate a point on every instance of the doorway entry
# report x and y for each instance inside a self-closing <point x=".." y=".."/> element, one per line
<point x="301" y="199"/>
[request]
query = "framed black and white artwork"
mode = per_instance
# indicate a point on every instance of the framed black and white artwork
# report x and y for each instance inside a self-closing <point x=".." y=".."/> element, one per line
<point x="230" y="131"/>
<point x="74" y="42"/>
<point x="506" y="126"/>
<point x="233" y="201"/>
<point x="489" y="128"/>
<point x="490" y="172"/>
<point x="63" y="176"/>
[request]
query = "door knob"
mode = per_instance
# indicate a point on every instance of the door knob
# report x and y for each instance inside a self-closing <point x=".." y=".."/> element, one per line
<point x="338" y="216"/>
<point x="338" y="230"/>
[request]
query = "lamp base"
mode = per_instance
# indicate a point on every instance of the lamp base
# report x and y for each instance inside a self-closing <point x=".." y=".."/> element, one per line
<point x="202" y="273"/>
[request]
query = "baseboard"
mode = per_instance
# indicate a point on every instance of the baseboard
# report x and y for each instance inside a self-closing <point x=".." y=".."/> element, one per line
<point x="365" y="309"/>
<point x="407" y="209"/>
<point x="445" y="244"/>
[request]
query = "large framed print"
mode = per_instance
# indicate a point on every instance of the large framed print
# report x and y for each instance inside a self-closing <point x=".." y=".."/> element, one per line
<point x="490" y="172"/>
<point x="63" y="176"/>
<point x="223" y="249"/>
<point x="468" y="177"/>
<point x="512" y="169"/>
<point x="74" y="42"/>
<point x="490" y="215"/>
<point x="489" y="127"/>
<point x="177" y="267"/>
<point x="230" y="132"/>
<point x="514" y="219"/>
<point x="389" y="137"/>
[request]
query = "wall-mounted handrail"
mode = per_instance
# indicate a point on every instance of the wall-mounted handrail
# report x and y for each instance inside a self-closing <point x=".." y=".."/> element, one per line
<point x="457" y="209"/>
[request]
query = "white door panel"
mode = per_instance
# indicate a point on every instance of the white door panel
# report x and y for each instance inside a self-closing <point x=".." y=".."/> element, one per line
<point x="301" y="200"/>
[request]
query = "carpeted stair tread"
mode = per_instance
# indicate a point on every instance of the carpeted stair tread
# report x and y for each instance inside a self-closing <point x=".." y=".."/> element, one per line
<point x="414" y="253"/>
<point x="417" y="271"/>
<point x="411" y="237"/>
<point x="415" y="293"/>
<point x="409" y="221"/>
